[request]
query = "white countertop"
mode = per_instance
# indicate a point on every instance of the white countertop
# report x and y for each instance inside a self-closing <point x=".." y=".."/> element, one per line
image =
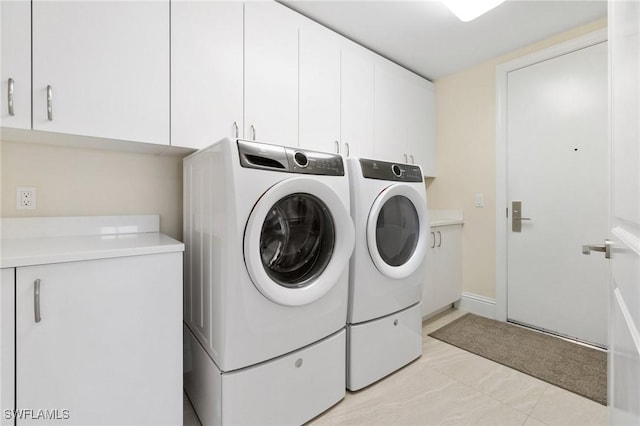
<point x="442" y="217"/>
<point x="42" y="248"/>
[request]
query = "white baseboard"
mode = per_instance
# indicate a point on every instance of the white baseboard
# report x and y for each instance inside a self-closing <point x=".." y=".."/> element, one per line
<point x="476" y="304"/>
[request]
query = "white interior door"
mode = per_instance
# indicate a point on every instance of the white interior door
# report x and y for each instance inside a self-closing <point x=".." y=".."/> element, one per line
<point x="557" y="167"/>
<point x="624" y="296"/>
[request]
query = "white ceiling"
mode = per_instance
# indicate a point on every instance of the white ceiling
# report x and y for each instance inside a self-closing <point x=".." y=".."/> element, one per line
<point x="423" y="36"/>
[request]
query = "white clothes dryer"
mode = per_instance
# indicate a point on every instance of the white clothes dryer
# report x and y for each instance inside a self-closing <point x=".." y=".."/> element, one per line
<point x="389" y="210"/>
<point x="268" y="238"/>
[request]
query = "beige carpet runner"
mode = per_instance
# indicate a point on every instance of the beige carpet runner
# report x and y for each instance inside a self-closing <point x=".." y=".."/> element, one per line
<point x="571" y="366"/>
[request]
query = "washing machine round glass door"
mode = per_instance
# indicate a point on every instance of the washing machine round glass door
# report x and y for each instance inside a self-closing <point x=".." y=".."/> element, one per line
<point x="397" y="231"/>
<point x="298" y="241"/>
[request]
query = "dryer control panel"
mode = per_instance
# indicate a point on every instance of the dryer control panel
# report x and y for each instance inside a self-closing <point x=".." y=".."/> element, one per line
<point x="257" y="155"/>
<point x="374" y="169"/>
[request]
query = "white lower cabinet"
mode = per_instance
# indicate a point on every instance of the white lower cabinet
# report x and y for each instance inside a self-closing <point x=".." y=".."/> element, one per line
<point x="7" y="345"/>
<point x="443" y="277"/>
<point x="99" y="341"/>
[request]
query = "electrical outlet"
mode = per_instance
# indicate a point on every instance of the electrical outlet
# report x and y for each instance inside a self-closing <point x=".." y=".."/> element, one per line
<point x="26" y="198"/>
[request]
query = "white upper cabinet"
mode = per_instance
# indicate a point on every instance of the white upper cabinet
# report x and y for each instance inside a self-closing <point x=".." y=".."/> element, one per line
<point x="421" y="143"/>
<point x="319" y="118"/>
<point x="206" y="72"/>
<point x="102" y="69"/>
<point x="357" y="103"/>
<point x="391" y="130"/>
<point x="15" y="33"/>
<point x="271" y="73"/>
<point x="404" y="117"/>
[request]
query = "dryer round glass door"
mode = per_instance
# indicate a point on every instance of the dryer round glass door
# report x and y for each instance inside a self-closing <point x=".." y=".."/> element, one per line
<point x="397" y="231"/>
<point x="298" y="241"/>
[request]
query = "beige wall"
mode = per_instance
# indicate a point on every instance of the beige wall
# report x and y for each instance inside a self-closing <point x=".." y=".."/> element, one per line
<point x="81" y="182"/>
<point x="466" y="152"/>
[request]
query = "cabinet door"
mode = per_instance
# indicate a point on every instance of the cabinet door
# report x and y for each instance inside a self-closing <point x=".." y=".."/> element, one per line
<point x="391" y="115"/>
<point x="108" y="347"/>
<point x="271" y="73"/>
<point x="443" y="275"/>
<point x="430" y="294"/>
<point x="206" y="72"/>
<point x="15" y="36"/>
<point x="319" y="88"/>
<point x="106" y="67"/>
<point x="7" y="344"/>
<point x="449" y="275"/>
<point x="357" y="103"/>
<point x="421" y="140"/>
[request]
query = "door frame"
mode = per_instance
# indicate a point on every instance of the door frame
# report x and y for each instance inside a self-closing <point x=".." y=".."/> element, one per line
<point x="502" y="224"/>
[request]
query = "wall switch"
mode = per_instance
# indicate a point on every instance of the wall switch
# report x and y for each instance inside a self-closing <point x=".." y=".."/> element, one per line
<point x="26" y="198"/>
<point x="479" y="200"/>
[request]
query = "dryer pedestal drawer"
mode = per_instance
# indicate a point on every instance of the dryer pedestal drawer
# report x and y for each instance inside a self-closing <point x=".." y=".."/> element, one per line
<point x="291" y="389"/>
<point x="378" y="348"/>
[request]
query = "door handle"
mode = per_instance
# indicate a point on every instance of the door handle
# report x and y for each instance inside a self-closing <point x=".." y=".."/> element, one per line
<point x="10" y="96"/>
<point x="516" y="216"/>
<point x="49" y="103"/>
<point x="36" y="300"/>
<point x="606" y="249"/>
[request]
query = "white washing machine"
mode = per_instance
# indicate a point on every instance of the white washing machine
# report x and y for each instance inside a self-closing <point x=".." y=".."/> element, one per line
<point x="389" y="210"/>
<point x="268" y="237"/>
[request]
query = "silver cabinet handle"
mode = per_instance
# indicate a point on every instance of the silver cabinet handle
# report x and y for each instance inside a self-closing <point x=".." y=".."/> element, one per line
<point x="412" y="160"/>
<point x="49" y="103"/>
<point x="337" y="147"/>
<point x="346" y="145"/>
<point x="253" y="132"/>
<point x="440" y="234"/>
<point x="10" y="96"/>
<point x="36" y="300"/>
<point x="406" y="160"/>
<point x="434" y="239"/>
<point x="606" y="249"/>
<point x="235" y="129"/>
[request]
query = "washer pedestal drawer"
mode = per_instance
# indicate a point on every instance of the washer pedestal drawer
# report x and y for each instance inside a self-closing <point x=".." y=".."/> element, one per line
<point x="291" y="389"/>
<point x="379" y="347"/>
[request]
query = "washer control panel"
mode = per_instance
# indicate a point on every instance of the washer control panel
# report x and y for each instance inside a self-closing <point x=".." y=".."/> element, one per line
<point x="314" y="163"/>
<point x="257" y="155"/>
<point x="383" y="170"/>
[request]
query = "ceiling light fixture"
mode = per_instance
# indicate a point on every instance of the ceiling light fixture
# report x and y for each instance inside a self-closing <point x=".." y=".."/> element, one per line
<point x="468" y="10"/>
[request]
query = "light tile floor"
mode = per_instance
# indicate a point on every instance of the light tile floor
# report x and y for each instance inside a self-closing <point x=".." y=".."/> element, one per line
<point x="449" y="386"/>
